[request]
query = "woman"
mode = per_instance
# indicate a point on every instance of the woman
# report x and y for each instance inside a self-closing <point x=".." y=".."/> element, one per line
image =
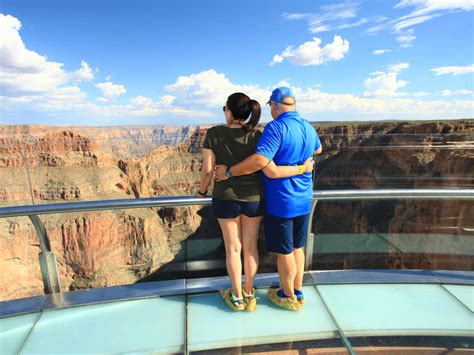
<point x="238" y="203"/>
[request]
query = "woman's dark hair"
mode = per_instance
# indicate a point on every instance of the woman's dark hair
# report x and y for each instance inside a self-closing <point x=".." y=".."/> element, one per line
<point x="243" y="108"/>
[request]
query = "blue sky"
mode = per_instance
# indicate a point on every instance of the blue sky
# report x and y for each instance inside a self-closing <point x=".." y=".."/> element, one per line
<point x="175" y="62"/>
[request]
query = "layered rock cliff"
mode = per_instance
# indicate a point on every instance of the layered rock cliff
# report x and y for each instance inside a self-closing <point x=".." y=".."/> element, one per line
<point x="40" y="164"/>
<point x="100" y="248"/>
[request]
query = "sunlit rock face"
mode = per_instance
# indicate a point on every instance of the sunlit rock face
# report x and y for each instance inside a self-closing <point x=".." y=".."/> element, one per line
<point x="53" y="165"/>
<point x="41" y="164"/>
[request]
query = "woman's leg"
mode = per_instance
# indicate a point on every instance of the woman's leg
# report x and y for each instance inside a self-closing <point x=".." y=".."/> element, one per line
<point x="250" y="228"/>
<point x="233" y="247"/>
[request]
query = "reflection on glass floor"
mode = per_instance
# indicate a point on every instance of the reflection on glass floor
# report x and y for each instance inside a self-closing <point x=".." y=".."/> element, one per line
<point x="201" y="321"/>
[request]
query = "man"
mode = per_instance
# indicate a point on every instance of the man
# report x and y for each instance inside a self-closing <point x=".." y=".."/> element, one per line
<point x="287" y="140"/>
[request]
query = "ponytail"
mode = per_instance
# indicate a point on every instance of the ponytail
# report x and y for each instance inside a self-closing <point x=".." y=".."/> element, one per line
<point x="255" y="112"/>
<point x="243" y="109"/>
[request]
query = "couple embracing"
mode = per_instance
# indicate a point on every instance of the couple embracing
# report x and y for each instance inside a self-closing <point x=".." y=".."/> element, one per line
<point x="262" y="176"/>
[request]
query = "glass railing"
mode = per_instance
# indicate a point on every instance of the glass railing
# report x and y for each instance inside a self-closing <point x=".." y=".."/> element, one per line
<point x="343" y="313"/>
<point x="178" y="238"/>
<point x="394" y="234"/>
<point x="168" y="239"/>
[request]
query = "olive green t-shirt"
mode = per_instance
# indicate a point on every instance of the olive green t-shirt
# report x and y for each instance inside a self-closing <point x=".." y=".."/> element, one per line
<point x="231" y="146"/>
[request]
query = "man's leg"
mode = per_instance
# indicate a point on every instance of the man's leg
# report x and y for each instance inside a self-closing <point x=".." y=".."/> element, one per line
<point x="279" y="240"/>
<point x="299" y="260"/>
<point x="300" y="231"/>
<point x="287" y="270"/>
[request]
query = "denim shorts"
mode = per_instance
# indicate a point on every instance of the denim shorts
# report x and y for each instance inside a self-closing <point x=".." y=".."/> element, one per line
<point x="232" y="208"/>
<point x="282" y="235"/>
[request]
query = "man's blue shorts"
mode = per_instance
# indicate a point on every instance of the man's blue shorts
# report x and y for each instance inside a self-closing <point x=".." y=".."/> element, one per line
<point x="282" y="235"/>
<point x="232" y="208"/>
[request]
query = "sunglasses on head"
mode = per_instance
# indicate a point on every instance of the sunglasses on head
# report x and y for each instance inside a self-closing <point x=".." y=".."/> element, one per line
<point x="282" y="103"/>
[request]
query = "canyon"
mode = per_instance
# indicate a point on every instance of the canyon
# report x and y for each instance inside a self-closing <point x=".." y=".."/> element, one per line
<point x="45" y="164"/>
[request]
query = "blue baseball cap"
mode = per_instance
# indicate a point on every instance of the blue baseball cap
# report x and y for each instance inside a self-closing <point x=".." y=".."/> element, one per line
<point x="280" y="93"/>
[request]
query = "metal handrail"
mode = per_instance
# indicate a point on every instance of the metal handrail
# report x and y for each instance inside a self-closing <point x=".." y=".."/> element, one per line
<point x="47" y="258"/>
<point x="366" y="194"/>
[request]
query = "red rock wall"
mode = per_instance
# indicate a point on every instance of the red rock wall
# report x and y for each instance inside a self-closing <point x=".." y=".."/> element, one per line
<point x="120" y="247"/>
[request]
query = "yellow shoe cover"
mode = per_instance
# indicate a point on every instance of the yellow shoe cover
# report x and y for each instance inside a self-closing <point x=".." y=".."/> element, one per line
<point x="235" y="304"/>
<point x="250" y="300"/>
<point x="290" y="303"/>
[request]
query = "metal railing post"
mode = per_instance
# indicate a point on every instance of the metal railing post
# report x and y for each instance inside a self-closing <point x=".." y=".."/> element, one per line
<point x="308" y="260"/>
<point x="47" y="259"/>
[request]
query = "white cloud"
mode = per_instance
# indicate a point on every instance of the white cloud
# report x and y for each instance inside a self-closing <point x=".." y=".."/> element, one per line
<point x="146" y="106"/>
<point x="398" y="67"/>
<point x="284" y="82"/>
<point x="424" y="7"/>
<point x="84" y="73"/>
<point x="453" y="70"/>
<point x="381" y="51"/>
<point x="422" y="11"/>
<point x="420" y="94"/>
<point x="409" y="22"/>
<point x="15" y="57"/>
<point x="62" y="98"/>
<point x="110" y="91"/>
<point x="425" y="10"/>
<point x="406" y="39"/>
<point x="386" y="84"/>
<point x="109" y="77"/>
<point x="209" y="88"/>
<point x="378" y="72"/>
<point x="330" y="17"/>
<point x="313" y="101"/>
<point x="141" y="101"/>
<point x="201" y="90"/>
<point x="294" y="16"/>
<point x="448" y="92"/>
<point x="28" y="79"/>
<point x="353" y="24"/>
<point x="200" y="96"/>
<point x="310" y="53"/>
<point x="276" y="59"/>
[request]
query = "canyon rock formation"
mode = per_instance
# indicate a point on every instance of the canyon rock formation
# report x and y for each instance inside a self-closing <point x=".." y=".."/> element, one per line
<point x="41" y="164"/>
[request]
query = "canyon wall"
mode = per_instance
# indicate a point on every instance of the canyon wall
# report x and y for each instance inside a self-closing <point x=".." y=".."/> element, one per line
<point x="41" y="164"/>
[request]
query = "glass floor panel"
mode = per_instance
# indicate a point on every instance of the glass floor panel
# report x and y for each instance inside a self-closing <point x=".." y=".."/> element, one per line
<point x="14" y="330"/>
<point x="163" y="324"/>
<point x="464" y="294"/>
<point x="395" y="309"/>
<point x="155" y="324"/>
<point x="211" y="324"/>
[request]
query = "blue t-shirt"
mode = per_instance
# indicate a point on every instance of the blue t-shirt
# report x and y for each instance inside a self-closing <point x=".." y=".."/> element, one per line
<point x="288" y="140"/>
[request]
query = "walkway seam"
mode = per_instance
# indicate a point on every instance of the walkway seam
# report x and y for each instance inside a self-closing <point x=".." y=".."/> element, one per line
<point x="344" y="339"/>
<point x="186" y="350"/>
<point x="454" y="296"/>
<point x="40" y="313"/>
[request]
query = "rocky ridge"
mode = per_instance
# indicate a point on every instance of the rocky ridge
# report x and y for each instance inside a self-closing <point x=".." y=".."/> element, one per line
<point x="118" y="247"/>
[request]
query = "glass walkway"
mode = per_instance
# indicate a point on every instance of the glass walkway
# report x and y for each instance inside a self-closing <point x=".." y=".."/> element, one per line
<point x="142" y="318"/>
<point x="357" y="310"/>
